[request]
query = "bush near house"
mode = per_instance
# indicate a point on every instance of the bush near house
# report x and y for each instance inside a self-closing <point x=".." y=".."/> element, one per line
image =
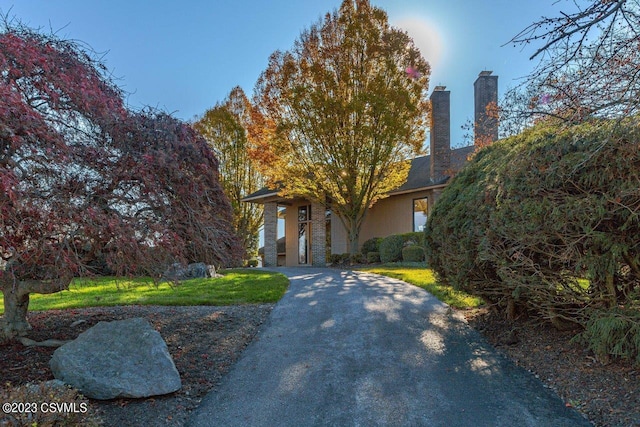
<point x="546" y="223"/>
<point x="340" y="258"/>
<point x="373" y="257"/>
<point x="371" y="245"/>
<point x="413" y="253"/>
<point x="391" y="246"/>
<point x="414" y="238"/>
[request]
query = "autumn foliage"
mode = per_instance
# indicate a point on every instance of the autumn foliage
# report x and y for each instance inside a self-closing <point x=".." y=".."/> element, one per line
<point x="348" y="105"/>
<point x="89" y="186"/>
<point x="232" y="129"/>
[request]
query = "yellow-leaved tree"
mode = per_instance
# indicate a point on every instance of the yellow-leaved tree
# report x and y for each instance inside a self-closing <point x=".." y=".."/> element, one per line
<point x="349" y="105"/>
<point x="228" y="129"/>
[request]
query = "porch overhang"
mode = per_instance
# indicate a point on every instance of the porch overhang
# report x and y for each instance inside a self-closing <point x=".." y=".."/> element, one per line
<point x="263" y="196"/>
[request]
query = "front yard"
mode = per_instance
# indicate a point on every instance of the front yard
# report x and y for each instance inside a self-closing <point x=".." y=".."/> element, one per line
<point x="239" y="286"/>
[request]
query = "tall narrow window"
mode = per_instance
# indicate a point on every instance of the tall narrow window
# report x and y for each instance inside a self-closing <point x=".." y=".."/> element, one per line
<point x="282" y="247"/>
<point x="304" y="231"/>
<point x="327" y="217"/>
<point x="420" y="210"/>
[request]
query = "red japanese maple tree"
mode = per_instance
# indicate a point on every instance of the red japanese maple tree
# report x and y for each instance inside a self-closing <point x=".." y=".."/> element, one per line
<point x="89" y="186"/>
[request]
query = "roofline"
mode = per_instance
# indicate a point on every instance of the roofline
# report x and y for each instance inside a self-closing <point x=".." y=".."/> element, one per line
<point x="260" y="196"/>
<point x="274" y="193"/>
<point x="415" y="190"/>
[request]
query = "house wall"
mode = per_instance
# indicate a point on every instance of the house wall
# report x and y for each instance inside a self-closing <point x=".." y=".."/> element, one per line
<point x="392" y="215"/>
<point x="339" y="236"/>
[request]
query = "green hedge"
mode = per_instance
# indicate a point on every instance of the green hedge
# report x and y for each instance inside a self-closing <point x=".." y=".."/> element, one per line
<point x="613" y="333"/>
<point x="373" y="257"/>
<point x="371" y="245"/>
<point x="530" y="217"/>
<point x="413" y="253"/>
<point x="391" y="248"/>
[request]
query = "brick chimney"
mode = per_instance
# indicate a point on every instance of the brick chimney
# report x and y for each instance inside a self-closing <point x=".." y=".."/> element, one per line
<point x="440" y="140"/>
<point x="485" y="92"/>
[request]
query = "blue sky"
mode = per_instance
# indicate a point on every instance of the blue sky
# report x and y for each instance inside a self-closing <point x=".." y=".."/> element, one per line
<point x="184" y="56"/>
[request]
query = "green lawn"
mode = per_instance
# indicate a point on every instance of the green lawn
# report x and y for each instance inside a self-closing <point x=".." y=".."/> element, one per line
<point x="424" y="278"/>
<point x="242" y="286"/>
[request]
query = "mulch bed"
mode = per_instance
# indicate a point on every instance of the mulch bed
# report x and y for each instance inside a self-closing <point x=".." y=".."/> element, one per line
<point x="203" y="341"/>
<point x="608" y="394"/>
<point x="206" y="341"/>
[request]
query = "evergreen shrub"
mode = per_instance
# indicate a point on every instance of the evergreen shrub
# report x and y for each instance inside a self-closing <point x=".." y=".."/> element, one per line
<point x="371" y="245"/>
<point x="530" y="218"/>
<point x="614" y="333"/>
<point x="373" y="257"/>
<point x="413" y="238"/>
<point x="413" y="253"/>
<point x="391" y="248"/>
<point x="335" y="259"/>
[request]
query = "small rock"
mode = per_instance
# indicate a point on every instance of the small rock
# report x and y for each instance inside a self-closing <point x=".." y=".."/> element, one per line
<point x="78" y="322"/>
<point x="196" y="270"/>
<point x="28" y="342"/>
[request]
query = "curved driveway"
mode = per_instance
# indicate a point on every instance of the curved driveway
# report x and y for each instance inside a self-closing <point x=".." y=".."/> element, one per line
<point x="357" y="349"/>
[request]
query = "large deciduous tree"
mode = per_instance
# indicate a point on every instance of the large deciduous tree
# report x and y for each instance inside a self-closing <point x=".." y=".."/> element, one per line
<point x="88" y="185"/>
<point x="229" y="128"/>
<point x="349" y="104"/>
<point x="589" y="63"/>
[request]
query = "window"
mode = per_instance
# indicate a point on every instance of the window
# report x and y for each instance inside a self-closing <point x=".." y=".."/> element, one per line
<point x="282" y="211"/>
<point x="304" y="228"/>
<point x="420" y="210"/>
<point x="327" y="218"/>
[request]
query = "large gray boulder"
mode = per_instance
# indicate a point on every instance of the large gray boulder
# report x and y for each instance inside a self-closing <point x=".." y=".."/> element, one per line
<point x="124" y="358"/>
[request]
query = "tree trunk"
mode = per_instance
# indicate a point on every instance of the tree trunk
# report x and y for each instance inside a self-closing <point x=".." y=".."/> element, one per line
<point x="14" y="321"/>
<point x="354" y="238"/>
<point x="16" y="302"/>
<point x="352" y="227"/>
<point x="610" y="285"/>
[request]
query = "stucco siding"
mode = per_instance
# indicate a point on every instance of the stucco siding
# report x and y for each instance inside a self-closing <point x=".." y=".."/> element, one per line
<point x="392" y="215"/>
<point x="339" y="240"/>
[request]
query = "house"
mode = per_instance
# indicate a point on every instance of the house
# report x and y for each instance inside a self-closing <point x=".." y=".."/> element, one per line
<point x="310" y="231"/>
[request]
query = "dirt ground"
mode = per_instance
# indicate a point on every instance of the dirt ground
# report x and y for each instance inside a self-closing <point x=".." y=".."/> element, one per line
<point x="206" y="341"/>
<point x="203" y="341"/>
<point x="609" y="395"/>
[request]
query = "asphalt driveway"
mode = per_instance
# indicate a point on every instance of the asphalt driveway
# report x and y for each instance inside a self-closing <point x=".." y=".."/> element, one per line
<point x="357" y="349"/>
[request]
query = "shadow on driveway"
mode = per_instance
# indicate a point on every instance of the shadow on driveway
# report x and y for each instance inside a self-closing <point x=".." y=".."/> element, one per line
<point x="356" y="349"/>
